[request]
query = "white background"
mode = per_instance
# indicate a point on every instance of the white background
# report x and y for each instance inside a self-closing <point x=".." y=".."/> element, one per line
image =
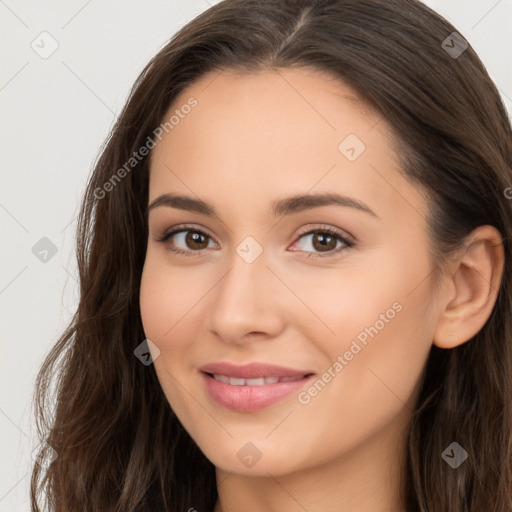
<point x="55" y="113"/>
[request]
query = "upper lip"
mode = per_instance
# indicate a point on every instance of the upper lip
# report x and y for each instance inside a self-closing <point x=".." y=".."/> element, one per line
<point x="251" y="370"/>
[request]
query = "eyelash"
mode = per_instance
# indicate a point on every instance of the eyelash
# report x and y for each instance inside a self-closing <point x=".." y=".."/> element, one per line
<point x="347" y="244"/>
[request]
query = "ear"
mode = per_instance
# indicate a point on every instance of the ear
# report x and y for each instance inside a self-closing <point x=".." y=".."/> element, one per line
<point x="472" y="289"/>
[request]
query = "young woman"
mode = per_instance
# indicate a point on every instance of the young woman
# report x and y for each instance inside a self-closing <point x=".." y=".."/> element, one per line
<point x="295" y="276"/>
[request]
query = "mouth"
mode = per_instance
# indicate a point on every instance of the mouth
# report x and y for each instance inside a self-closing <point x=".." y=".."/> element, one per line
<point x="252" y="394"/>
<point x="251" y="371"/>
<point x="258" y="381"/>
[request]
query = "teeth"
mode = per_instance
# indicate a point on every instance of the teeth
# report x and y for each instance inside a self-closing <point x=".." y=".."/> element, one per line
<point x="222" y="378"/>
<point x="271" y="380"/>
<point x="261" y="381"/>
<point x="254" y="382"/>
<point x="290" y="379"/>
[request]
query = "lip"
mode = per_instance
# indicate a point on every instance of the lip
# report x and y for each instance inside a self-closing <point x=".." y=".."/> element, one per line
<point x="251" y="398"/>
<point x="252" y="370"/>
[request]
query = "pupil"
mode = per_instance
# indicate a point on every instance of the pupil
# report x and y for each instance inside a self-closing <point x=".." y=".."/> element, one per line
<point x="323" y="241"/>
<point x="195" y="239"/>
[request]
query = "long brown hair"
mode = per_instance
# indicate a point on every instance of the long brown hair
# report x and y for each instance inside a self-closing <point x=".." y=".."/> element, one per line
<point x="119" y="445"/>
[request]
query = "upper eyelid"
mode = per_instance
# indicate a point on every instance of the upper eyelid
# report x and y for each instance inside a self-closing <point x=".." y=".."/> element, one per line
<point x="324" y="227"/>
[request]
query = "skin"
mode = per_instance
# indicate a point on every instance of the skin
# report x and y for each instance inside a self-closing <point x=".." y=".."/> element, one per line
<point x="253" y="139"/>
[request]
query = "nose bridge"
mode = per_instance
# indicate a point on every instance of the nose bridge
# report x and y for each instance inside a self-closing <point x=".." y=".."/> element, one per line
<point x="242" y="302"/>
<point x="243" y="285"/>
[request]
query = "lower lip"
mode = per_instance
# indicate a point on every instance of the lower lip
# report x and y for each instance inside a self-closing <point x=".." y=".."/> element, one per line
<point x="251" y="398"/>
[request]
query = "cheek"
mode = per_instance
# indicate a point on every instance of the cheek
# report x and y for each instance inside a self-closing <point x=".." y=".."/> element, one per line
<point x="378" y="317"/>
<point x="372" y="369"/>
<point x="172" y="301"/>
<point x="339" y="304"/>
<point x="166" y="296"/>
<point x="166" y="301"/>
<point x="154" y="300"/>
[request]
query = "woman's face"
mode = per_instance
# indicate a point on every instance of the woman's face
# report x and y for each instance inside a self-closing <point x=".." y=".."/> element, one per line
<point x="266" y="283"/>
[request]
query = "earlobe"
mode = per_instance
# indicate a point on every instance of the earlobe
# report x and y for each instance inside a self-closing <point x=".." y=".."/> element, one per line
<point x="473" y="288"/>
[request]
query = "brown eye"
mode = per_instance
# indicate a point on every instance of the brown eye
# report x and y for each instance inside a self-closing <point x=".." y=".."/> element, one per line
<point x="187" y="241"/>
<point x="323" y="242"/>
<point x="196" y="240"/>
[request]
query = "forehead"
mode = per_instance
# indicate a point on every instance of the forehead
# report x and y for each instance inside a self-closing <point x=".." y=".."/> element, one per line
<point x="274" y="133"/>
<point x="274" y="99"/>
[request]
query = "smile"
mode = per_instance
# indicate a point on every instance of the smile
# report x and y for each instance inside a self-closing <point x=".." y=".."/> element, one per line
<point x="246" y="395"/>
<point x="260" y="381"/>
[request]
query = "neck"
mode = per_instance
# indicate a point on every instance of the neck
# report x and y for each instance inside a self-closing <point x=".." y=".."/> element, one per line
<point x="367" y="478"/>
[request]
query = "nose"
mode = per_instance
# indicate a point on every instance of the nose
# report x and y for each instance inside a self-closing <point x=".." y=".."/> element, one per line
<point x="247" y="304"/>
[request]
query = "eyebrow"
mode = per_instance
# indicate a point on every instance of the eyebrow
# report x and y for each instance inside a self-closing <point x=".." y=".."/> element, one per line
<point x="281" y="207"/>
